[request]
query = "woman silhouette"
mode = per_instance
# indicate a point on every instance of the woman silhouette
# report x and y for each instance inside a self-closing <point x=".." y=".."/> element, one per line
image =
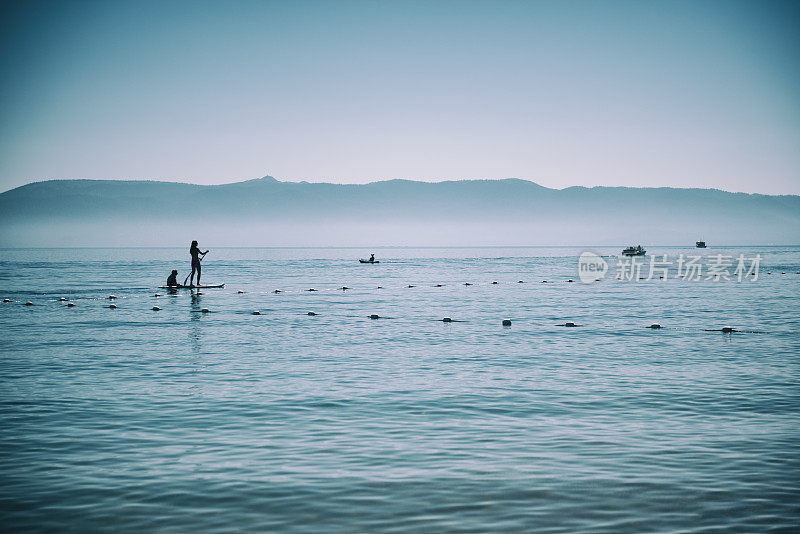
<point x="194" y="250"/>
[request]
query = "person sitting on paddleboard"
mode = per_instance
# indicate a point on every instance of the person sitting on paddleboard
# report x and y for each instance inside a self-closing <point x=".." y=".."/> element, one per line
<point x="172" y="280"/>
<point x="194" y="250"/>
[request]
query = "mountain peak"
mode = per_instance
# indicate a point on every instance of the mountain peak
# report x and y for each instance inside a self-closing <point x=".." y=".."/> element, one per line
<point x="264" y="179"/>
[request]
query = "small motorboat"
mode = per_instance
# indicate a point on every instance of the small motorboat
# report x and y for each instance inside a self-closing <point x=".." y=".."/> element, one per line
<point x="634" y="251"/>
<point x="700" y="244"/>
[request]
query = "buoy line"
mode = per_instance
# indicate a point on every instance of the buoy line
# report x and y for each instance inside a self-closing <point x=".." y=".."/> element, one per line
<point x="278" y="291"/>
<point x="112" y="298"/>
<point x="445" y="320"/>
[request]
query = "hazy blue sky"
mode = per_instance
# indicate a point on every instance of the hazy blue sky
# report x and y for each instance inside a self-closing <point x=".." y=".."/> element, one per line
<point x="688" y="94"/>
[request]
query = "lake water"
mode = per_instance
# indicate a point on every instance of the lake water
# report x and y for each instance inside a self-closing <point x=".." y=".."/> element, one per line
<point x="131" y="419"/>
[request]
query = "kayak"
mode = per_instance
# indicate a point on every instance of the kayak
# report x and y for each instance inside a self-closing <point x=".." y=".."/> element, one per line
<point x="367" y="261"/>
<point x="219" y="286"/>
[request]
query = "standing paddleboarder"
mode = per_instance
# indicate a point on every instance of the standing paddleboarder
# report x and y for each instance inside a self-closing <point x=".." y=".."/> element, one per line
<point x="194" y="250"/>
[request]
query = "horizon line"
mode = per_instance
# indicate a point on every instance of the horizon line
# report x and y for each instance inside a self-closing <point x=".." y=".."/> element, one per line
<point x="356" y="247"/>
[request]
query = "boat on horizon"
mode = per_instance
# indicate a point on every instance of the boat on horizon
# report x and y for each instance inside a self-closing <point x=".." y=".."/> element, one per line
<point x="700" y="244"/>
<point x="634" y="251"/>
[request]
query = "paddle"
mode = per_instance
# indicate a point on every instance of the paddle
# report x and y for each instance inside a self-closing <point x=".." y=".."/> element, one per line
<point x="200" y="259"/>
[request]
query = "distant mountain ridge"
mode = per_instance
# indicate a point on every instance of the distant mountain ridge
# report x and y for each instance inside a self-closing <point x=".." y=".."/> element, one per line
<point x="266" y="211"/>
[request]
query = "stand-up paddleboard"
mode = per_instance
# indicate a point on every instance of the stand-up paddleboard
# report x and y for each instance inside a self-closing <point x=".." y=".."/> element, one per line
<point x="367" y="261"/>
<point x="219" y="286"/>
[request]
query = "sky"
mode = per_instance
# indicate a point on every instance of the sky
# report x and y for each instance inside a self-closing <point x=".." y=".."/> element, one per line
<point x="640" y="93"/>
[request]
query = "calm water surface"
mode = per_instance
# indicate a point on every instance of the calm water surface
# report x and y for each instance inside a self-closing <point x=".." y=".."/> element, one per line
<point x="130" y="419"/>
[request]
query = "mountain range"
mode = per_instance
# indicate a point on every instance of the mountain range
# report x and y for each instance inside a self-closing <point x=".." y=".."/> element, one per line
<point x="268" y="212"/>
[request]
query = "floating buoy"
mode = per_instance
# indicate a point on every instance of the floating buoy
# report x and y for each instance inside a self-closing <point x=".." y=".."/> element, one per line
<point x="29" y="303"/>
<point x="373" y="316"/>
<point x="494" y="283"/>
<point x="728" y="330"/>
<point x="70" y="304"/>
<point x="654" y="326"/>
<point x="62" y="299"/>
<point x="506" y="322"/>
<point x="256" y="312"/>
<point x="447" y="320"/>
<point x="156" y="308"/>
<point x="204" y="310"/>
<point x="311" y="314"/>
<point x="112" y="306"/>
<point x="112" y="297"/>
